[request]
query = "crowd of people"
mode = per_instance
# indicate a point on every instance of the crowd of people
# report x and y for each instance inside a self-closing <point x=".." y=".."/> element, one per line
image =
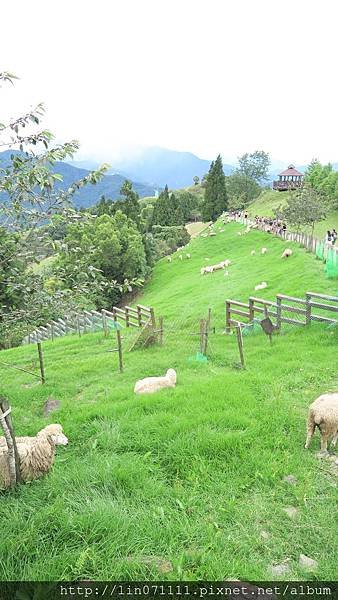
<point x="331" y="237"/>
<point x="271" y="225"/>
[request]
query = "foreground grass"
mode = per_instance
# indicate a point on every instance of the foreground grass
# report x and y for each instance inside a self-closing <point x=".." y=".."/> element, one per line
<point x="190" y="476"/>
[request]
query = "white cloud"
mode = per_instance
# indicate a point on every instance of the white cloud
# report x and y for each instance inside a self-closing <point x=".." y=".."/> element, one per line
<point x="207" y="76"/>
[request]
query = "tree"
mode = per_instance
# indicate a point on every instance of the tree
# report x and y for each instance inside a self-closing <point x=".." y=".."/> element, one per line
<point x="324" y="179"/>
<point x="254" y="165"/>
<point x="29" y="198"/>
<point x="242" y="189"/>
<point x="196" y="180"/>
<point x="305" y="208"/>
<point x="215" y="199"/>
<point x="162" y="213"/>
<point x="130" y="204"/>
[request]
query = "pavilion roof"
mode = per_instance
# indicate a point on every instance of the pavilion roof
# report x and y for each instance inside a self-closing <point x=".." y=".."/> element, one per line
<point x="291" y="171"/>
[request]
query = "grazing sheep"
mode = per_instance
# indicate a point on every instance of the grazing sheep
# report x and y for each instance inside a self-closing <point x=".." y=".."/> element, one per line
<point x="169" y="259"/>
<point x="154" y="384"/>
<point x="261" y="286"/>
<point x="239" y="233"/>
<point x="36" y="454"/>
<point x="205" y="270"/>
<point x="204" y="235"/>
<point x="227" y="263"/>
<point x="221" y="230"/>
<point x="212" y="233"/>
<point x="323" y="413"/>
<point x="188" y="255"/>
<point x="287" y="252"/>
<point x="253" y="252"/>
<point x="264" y="250"/>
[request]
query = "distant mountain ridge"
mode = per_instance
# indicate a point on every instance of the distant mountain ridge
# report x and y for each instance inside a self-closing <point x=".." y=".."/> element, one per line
<point x="109" y="185"/>
<point x="160" y="166"/>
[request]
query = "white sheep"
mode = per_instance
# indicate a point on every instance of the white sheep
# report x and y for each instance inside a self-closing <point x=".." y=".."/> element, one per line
<point x="239" y="233"/>
<point x="264" y="250"/>
<point x="169" y="259"/>
<point x="227" y="263"/>
<point x="261" y="286"/>
<point x="253" y="252"/>
<point x="204" y="235"/>
<point x="150" y="385"/>
<point x="205" y="270"/>
<point x="323" y="413"/>
<point x="221" y="230"/>
<point x="212" y="233"/>
<point x="188" y="255"/>
<point x="36" y="454"/>
<point x="287" y="252"/>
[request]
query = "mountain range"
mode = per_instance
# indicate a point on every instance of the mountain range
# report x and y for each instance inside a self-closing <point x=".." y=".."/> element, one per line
<point x="109" y="185"/>
<point x="158" y="167"/>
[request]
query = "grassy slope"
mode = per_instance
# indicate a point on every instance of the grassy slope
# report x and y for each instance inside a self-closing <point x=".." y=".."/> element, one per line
<point x="191" y="475"/>
<point x="269" y="201"/>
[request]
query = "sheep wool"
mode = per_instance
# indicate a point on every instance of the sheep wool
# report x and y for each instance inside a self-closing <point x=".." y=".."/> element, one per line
<point x="36" y="454"/>
<point x="149" y="385"/>
<point x="253" y="252"/>
<point x="264" y="250"/>
<point x="323" y="413"/>
<point x="287" y="252"/>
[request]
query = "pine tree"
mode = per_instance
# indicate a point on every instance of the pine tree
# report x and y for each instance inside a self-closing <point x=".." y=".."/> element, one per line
<point x="162" y="214"/>
<point x="215" y="199"/>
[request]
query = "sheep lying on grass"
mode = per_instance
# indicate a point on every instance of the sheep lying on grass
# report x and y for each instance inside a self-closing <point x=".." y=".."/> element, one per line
<point x="212" y="268"/>
<point x="150" y="385"/>
<point x="36" y="454"/>
<point x="287" y="252"/>
<point x="261" y="286"/>
<point x="323" y="413"/>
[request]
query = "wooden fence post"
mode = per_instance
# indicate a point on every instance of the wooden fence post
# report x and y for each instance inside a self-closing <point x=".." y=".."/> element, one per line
<point x="308" y="309"/>
<point x="13" y="456"/>
<point x="119" y="348"/>
<point x="139" y="315"/>
<point x="161" y="331"/>
<point x="42" y="368"/>
<point x="127" y="316"/>
<point x="251" y="310"/>
<point x="240" y="344"/>
<point x="152" y="317"/>
<point x="279" y="313"/>
<point x="227" y="316"/>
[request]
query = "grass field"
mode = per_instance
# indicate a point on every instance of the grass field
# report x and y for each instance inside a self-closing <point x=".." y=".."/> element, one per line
<point x="186" y="483"/>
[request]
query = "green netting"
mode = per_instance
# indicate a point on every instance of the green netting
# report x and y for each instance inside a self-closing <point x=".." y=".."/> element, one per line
<point x="199" y="357"/>
<point x="320" y="251"/>
<point x="253" y="327"/>
<point x="331" y="266"/>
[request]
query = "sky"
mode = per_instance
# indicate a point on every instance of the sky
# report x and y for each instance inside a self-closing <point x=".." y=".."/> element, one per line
<point x="205" y="76"/>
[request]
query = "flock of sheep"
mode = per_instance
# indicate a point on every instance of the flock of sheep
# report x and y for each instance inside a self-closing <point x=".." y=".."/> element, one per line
<point x="36" y="454"/>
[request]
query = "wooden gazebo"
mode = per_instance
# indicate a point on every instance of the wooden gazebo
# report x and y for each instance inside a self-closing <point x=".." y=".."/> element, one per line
<point x="290" y="179"/>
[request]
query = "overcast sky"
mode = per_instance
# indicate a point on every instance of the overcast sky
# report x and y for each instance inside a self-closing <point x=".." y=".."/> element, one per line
<point x="205" y="76"/>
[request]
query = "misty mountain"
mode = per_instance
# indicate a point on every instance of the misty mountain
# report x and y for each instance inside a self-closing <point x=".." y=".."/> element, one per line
<point x="159" y="167"/>
<point x="109" y="186"/>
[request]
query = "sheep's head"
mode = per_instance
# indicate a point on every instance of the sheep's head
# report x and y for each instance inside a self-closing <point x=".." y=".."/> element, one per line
<point x="171" y="374"/>
<point x="55" y="434"/>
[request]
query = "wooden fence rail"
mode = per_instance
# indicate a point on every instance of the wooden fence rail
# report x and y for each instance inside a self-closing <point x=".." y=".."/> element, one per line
<point x="93" y="320"/>
<point x="307" y="309"/>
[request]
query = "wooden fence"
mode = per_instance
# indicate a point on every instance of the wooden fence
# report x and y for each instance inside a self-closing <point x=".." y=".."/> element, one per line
<point x="314" y="307"/>
<point x="93" y="320"/>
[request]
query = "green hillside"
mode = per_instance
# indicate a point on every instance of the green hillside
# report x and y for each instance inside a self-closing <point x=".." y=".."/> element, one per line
<point x="269" y="201"/>
<point x="186" y="483"/>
